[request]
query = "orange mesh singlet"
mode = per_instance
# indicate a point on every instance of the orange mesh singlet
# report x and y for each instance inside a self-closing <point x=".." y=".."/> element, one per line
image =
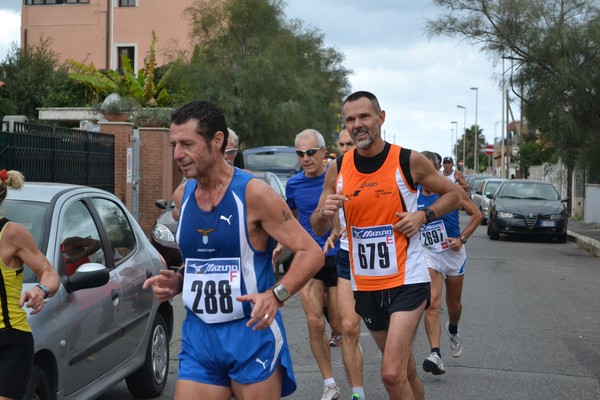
<point x="380" y="258"/>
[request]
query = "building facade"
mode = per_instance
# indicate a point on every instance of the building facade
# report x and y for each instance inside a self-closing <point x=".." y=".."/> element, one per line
<point x="99" y="31"/>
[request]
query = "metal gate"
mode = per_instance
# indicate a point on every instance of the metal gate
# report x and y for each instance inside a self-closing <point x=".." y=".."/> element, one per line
<point x="52" y="154"/>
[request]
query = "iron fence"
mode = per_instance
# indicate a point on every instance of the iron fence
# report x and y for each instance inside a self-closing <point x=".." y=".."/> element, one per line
<point x="53" y="154"/>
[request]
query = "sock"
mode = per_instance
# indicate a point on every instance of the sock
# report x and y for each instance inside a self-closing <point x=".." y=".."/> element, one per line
<point x="453" y="329"/>
<point x="328" y="381"/>
<point x="437" y="351"/>
<point x="359" y="390"/>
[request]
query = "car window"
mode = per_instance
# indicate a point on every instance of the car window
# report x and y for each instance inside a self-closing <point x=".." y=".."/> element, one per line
<point x="117" y="227"/>
<point x="267" y="160"/>
<point x="274" y="182"/>
<point x="491" y="187"/>
<point x="79" y="240"/>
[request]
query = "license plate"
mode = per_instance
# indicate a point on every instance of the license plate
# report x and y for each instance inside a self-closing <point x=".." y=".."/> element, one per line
<point x="548" y="224"/>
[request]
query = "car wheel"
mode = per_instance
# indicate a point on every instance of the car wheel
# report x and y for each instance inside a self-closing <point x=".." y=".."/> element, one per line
<point x="38" y="387"/>
<point x="561" y="238"/>
<point x="150" y="380"/>
<point x="492" y="232"/>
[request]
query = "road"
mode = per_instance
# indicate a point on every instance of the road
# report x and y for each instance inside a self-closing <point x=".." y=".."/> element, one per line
<point x="530" y="330"/>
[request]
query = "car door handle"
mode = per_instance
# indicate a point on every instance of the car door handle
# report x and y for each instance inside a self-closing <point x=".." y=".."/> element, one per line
<point x="149" y="273"/>
<point x="114" y="294"/>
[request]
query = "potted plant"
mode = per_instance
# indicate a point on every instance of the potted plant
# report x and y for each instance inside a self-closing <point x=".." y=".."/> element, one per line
<point x="152" y="117"/>
<point x="116" y="108"/>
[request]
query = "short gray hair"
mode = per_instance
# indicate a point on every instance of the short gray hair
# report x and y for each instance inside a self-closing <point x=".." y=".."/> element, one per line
<point x="311" y="132"/>
<point x="233" y="136"/>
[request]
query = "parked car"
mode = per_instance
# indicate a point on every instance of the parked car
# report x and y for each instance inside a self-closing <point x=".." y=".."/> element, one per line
<point x="163" y="232"/>
<point x="100" y="327"/>
<point x="480" y="198"/>
<point x="474" y="180"/>
<point x="527" y="207"/>
<point x="281" y="160"/>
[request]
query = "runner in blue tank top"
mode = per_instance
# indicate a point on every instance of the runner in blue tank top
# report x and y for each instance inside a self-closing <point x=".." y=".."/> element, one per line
<point x="446" y="259"/>
<point x="233" y="339"/>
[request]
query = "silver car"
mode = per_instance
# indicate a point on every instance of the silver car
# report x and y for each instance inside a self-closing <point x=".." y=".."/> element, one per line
<point x="100" y="327"/>
<point x="481" y="197"/>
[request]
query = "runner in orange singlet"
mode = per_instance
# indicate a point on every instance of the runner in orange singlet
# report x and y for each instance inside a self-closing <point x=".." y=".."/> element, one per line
<point x="376" y="186"/>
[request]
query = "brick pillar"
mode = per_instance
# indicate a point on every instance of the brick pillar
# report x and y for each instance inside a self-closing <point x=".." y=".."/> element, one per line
<point x="122" y="131"/>
<point x="156" y="174"/>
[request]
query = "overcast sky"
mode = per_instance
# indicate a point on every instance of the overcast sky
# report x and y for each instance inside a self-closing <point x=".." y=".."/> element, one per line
<point x="419" y="82"/>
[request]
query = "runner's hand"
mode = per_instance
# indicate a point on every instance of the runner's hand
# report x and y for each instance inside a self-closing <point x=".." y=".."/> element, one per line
<point x="264" y="309"/>
<point x="166" y="285"/>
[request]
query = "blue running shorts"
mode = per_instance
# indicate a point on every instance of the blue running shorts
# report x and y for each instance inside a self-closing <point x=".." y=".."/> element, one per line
<point x="216" y="354"/>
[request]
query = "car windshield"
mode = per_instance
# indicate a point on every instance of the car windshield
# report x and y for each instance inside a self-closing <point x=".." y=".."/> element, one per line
<point x="491" y="187"/>
<point x="477" y="180"/>
<point x="270" y="160"/>
<point x="27" y="213"/>
<point x="30" y="214"/>
<point x="528" y="191"/>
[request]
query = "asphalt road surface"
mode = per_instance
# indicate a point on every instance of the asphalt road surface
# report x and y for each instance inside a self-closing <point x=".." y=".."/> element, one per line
<point x="530" y="330"/>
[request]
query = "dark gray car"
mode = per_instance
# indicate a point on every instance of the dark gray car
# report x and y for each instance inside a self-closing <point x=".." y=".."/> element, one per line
<point x="100" y="327"/>
<point x="522" y="207"/>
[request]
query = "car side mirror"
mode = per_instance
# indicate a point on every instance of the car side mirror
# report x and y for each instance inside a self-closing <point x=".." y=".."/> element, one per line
<point x="489" y="195"/>
<point x="566" y="199"/>
<point x="87" y="276"/>
<point x="478" y="192"/>
<point x="161" y="203"/>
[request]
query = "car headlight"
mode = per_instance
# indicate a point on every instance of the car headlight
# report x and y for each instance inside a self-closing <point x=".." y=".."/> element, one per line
<point x="161" y="232"/>
<point x="555" y="217"/>
<point x="504" y="214"/>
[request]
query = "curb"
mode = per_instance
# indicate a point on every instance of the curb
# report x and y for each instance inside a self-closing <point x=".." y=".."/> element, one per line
<point x="584" y="242"/>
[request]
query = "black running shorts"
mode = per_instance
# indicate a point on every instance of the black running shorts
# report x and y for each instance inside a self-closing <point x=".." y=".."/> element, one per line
<point x="16" y="362"/>
<point x="377" y="306"/>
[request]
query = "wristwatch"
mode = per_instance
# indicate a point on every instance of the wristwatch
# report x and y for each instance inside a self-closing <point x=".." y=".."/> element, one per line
<point x="429" y="215"/>
<point x="463" y="239"/>
<point x="44" y="289"/>
<point x="280" y="292"/>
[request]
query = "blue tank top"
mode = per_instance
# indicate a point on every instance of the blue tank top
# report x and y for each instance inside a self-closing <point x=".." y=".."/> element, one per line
<point x="218" y="240"/>
<point x="451" y="220"/>
<point x="302" y="194"/>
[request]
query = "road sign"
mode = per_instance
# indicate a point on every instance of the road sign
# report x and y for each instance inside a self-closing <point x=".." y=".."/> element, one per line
<point x="489" y="149"/>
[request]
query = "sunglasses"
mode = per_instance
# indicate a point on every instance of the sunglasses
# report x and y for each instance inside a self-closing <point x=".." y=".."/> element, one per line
<point x="342" y="144"/>
<point x="309" y="152"/>
<point x="231" y="151"/>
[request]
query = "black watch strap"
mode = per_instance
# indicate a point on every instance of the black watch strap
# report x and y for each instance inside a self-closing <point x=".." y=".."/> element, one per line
<point x="429" y="215"/>
<point x="44" y="289"/>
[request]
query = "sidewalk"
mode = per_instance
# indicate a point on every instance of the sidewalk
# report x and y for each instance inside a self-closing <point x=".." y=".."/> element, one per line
<point x="586" y="235"/>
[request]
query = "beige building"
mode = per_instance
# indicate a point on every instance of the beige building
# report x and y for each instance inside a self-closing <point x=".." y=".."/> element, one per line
<point x="98" y="31"/>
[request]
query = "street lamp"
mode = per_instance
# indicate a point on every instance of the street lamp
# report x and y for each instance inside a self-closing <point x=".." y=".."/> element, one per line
<point x="464" y="134"/>
<point x="455" y="130"/>
<point x="476" y="145"/>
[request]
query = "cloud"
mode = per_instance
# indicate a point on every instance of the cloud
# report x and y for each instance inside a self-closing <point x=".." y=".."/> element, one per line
<point x="418" y="81"/>
<point x="10" y="29"/>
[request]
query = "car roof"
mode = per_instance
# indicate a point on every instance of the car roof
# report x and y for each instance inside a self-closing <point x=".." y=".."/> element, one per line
<point x="45" y="192"/>
<point x="527" y="181"/>
<point x="285" y="149"/>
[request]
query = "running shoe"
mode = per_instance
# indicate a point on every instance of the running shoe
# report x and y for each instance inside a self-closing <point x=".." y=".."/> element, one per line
<point x="331" y="392"/>
<point x="434" y="364"/>
<point x="356" y="396"/>
<point x="455" y="346"/>
<point x="336" y="340"/>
